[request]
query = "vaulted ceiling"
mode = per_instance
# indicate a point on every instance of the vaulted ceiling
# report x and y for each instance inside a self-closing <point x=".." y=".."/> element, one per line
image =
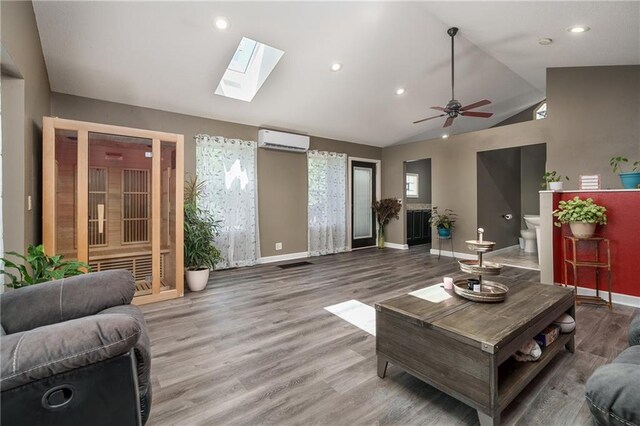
<point x="170" y="56"/>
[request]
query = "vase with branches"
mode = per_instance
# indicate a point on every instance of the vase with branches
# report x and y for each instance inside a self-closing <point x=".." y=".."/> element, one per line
<point x="385" y="210"/>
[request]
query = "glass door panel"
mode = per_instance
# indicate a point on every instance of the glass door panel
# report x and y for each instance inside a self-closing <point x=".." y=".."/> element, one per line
<point x="119" y="231"/>
<point x="363" y="194"/>
<point x="168" y="198"/>
<point x="66" y="172"/>
<point x="361" y="202"/>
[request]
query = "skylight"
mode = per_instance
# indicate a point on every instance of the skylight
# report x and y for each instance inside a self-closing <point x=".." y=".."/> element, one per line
<point x="249" y="68"/>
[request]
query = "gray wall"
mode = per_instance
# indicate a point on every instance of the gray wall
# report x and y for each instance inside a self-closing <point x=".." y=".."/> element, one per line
<point x="22" y="149"/>
<point x="593" y="114"/>
<point x="499" y="190"/>
<point x="423" y="169"/>
<point x="532" y="163"/>
<point x="282" y="176"/>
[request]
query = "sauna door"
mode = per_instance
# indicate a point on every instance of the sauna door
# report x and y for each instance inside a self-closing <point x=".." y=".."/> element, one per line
<point x="117" y="203"/>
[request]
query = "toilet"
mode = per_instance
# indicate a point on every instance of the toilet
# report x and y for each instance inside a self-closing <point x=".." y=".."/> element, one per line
<point x="529" y="234"/>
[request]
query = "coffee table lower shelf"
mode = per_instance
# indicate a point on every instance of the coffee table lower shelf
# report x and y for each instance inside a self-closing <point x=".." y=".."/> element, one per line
<point x="513" y="376"/>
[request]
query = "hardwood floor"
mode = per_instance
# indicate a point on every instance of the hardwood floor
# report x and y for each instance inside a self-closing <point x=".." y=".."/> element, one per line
<point x="257" y="347"/>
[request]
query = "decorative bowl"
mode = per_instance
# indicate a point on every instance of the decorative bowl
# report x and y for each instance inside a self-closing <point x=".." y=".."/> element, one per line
<point x="492" y="292"/>
<point x="473" y="267"/>
<point x="480" y="246"/>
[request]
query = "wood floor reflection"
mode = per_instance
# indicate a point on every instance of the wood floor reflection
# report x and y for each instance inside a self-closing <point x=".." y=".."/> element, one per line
<point x="257" y="347"/>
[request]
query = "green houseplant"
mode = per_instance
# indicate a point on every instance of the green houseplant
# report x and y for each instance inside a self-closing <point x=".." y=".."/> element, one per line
<point x="200" y="229"/>
<point x="629" y="180"/>
<point x="386" y="209"/>
<point x="444" y="222"/>
<point x="42" y="268"/>
<point x="552" y="180"/>
<point x="581" y="215"/>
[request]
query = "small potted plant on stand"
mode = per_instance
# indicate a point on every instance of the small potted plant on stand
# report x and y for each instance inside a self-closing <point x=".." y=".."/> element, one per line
<point x="630" y="180"/>
<point x="444" y="222"/>
<point x="200" y="228"/>
<point x="553" y="181"/>
<point x="581" y="215"/>
<point x="385" y="210"/>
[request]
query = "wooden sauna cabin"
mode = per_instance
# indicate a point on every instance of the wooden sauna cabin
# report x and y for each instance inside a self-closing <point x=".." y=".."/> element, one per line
<point x="113" y="197"/>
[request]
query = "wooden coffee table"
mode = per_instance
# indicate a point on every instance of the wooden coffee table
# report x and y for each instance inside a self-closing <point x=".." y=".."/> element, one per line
<point x="464" y="348"/>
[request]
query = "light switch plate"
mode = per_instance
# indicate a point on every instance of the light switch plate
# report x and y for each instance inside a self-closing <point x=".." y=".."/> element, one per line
<point x="278" y="246"/>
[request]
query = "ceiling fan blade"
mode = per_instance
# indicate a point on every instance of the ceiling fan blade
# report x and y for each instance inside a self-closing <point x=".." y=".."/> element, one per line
<point x="429" y="118"/>
<point x="476" y="105"/>
<point x="448" y="122"/>
<point x="476" y="114"/>
<point x="438" y="108"/>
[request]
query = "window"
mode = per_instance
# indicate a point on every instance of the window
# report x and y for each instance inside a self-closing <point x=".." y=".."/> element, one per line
<point x="248" y="69"/>
<point x="135" y="206"/>
<point x="412" y="185"/>
<point x="98" y="178"/>
<point x="327" y="202"/>
<point x="541" y="111"/>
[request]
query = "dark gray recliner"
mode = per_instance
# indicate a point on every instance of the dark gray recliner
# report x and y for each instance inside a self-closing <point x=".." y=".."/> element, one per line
<point x="74" y="351"/>
<point x="613" y="391"/>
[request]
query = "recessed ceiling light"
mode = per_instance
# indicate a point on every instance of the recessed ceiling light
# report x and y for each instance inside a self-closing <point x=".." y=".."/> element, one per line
<point x="445" y="136"/>
<point x="578" y="29"/>
<point x="545" y="41"/>
<point x="336" y="66"/>
<point x="400" y="91"/>
<point x="222" y="23"/>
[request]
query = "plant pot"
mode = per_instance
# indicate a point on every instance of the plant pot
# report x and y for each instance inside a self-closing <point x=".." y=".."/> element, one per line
<point x="197" y="279"/>
<point x="556" y="186"/>
<point x="582" y="229"/>
<point x="630" y="180"/>
<point x="444" y="232"/>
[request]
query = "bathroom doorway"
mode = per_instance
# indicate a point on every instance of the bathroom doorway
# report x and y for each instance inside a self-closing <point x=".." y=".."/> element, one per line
<point x="507" y="187"/>
<point x="417" y="201"/>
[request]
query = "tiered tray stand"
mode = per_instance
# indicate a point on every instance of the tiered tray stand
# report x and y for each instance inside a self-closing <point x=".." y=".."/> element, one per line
<point x="490" y="291"/>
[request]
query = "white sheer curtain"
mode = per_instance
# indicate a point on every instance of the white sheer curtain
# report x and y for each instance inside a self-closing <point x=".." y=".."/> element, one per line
<point x="228" y="168"/>
<point x="327" y="173"/>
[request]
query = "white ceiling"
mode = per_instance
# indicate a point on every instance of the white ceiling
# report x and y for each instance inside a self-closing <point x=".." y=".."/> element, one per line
<point x="169" y="56"/>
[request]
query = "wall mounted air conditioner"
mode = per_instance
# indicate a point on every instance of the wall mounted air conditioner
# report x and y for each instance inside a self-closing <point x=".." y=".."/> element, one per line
<point x="283" y="141"/>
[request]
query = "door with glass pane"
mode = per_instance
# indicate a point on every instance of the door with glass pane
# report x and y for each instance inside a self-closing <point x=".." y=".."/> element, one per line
<point x="113" y="198"/>
<point x="363" y="194"/>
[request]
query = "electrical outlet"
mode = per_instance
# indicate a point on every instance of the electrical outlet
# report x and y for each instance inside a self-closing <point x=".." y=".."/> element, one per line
<point x="278" y="246"/>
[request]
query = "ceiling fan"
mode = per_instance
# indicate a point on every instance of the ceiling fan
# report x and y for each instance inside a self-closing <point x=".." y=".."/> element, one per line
<point x="454" y="108"/>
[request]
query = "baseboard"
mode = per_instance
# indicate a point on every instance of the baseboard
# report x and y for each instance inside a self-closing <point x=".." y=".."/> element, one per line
<point x="283" y="257"/>
<point x="457" y="255"/>
<point x="396" y="246"/>
<point x="617" y="298"/>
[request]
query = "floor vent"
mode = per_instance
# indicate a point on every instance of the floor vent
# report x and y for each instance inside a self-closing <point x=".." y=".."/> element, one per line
<point x="294" y="265"/>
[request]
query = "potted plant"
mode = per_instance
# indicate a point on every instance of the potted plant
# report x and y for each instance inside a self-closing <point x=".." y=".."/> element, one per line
<point x="581" y="215"/>
<point x="42" y="268"/>
<point x="444" y="222"/>
<point x="385" y="210"/>
<point x="200" y="228"/>
<point x="630" y="180"/>
<point x="553" y="181"/>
